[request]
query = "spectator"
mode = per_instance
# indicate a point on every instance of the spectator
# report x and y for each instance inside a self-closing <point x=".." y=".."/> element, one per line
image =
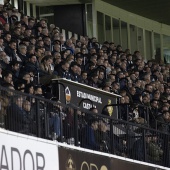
<point x="22" y="54"/>
<point x="138" y="148"/>
<point x="163" y="123"/>
<point x="155" y="152"/>
<point x="6" y="78"/>
<point x="11" y="49"/>
<point x="63" y="70"/>
<point x="102" y="136"/>
<point x="73" y="72"/>
<point x="93" y="80"/>
<point x="4" y="17"/>
<point x="46" y="64"/>
<point x="89" y="140"/>
<point x="29" y="126"/>
<point x="15" y="115"/>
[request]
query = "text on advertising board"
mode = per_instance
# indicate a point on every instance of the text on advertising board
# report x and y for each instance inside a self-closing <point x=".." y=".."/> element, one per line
<point x="20" y="162"/>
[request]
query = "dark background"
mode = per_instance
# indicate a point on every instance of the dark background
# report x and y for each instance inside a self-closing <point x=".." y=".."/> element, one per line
<point x="70" y="17"/>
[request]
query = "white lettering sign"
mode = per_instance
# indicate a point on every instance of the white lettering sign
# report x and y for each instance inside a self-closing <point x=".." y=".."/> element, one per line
<point x="89" y="96"/>
<point x="23" y="153"/>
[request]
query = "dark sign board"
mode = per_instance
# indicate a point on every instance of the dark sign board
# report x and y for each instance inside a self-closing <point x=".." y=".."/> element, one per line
<point x="79" y="160"/>
<point x="126" y="165"/>
<point x="70" y="159"/>
<point x="84" y="96"/>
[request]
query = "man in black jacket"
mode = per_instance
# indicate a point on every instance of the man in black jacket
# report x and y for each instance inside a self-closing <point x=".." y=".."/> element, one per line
<point x="73" y="71"/>
<point x="10" y="50"/>
<point x="15" y="115"/>
<point x="63" y="70"/>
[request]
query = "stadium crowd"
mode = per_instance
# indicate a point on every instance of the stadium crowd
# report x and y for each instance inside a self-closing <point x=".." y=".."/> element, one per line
<point x="33" y="52"/>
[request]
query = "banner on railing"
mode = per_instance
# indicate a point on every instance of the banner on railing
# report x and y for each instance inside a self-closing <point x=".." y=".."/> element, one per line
<point x="22" y="152"/>
<point x="70" y="159"/>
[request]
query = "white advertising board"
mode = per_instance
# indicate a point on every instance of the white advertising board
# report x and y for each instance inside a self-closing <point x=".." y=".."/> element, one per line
<point x="2" y="2"/>
<point x="22" y="152"/>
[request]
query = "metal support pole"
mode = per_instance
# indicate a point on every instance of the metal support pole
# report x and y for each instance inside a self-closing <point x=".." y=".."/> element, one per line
<point x="75" y="127"/>
<point x="127" y="113"/>
<point x="111" y="137"/>
<point x="144" y="145"/>
<point x="61" y="127"/>
<point x="38" y="118"/>
<point x="46" y="122"/>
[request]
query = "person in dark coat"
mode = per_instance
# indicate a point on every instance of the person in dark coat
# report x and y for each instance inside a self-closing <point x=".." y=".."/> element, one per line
<point x="7" y="38"/>
<point x="14" y="69"/>
<point x="163" y="122"/>
<point x="30" y="124"/>
<point x="73" y="71"/>
<point x="138" y="148"/>
<point x="47" y="43"/>
<point x="89" y="140"/>
<point x="4" y="17"/>
<point x="63" y="70"/>
<point x="31" y="65"/>
<point x="15" y="115"/>
<point x="6" y="78"/>
<point x="93" y="80"/>
<point x="102" y="136"/>
<point x="10" y="50"/>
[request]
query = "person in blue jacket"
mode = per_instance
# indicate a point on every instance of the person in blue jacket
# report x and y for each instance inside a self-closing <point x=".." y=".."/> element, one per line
<point x="89" y="140"/>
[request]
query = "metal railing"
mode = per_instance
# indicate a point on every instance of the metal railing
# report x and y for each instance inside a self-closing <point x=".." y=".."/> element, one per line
<point x="37" y="116"/>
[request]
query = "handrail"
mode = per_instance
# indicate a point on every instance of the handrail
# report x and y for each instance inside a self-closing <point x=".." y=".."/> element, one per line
<point x="122" y="128"/>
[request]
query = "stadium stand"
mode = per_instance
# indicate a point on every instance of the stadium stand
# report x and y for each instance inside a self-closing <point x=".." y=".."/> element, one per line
<point x="32" y="55"/>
